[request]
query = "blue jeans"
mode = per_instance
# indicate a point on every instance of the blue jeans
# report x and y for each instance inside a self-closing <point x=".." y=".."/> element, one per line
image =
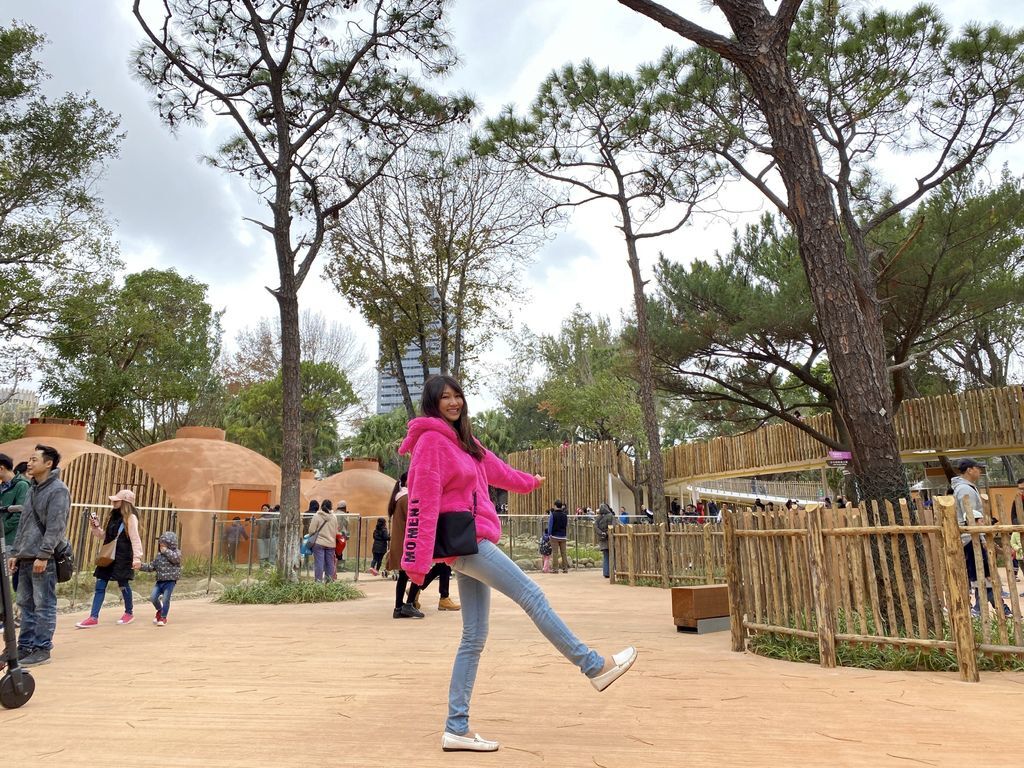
<point x="101" y="593"/>
<point x="605" y="564"/>
<point x="37" y="598"/>
<point x="476" y="575"/>
<point x="164" y="590"/>
<point x="325" y="563"/>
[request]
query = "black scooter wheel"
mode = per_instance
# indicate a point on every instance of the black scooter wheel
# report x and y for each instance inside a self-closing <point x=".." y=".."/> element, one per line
<point x="9" y="697"/>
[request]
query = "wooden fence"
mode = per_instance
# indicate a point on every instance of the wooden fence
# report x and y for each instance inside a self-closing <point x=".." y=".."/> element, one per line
<point x="988" y="420"/>
<point x="678" y="554"/>
<point x="872" y="577"/>
<point x="576" y="473"/>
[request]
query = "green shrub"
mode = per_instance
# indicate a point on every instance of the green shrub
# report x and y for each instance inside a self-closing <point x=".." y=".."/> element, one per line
<point x="276" y="591"/>
<point x="199" y="565"/>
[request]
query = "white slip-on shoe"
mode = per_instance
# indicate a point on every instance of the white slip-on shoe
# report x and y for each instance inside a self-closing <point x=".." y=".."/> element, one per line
<point x="452" y="743"/>
<point x="623" y="660"/>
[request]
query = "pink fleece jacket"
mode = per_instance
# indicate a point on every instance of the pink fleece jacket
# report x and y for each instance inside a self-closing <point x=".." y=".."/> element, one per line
<point x="443" y="478"/>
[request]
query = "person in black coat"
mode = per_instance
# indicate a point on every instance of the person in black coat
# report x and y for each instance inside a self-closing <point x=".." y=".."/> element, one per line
<point x="558" y="530"/>
<point x="381" y="537"/>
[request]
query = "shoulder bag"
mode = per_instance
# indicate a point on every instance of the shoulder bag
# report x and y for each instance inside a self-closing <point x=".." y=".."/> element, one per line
<point x="309" y="540"/>
<point x="108" y="551"/>
<point x="456" y="534"/>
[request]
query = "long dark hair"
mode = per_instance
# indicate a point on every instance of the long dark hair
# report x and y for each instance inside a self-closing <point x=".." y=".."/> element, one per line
<point x="430" y="405"/>
<point x="399" y="485"/>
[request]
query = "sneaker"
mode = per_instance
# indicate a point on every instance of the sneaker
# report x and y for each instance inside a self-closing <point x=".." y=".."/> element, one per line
<point x="621" y="662"/>
<point x="162" y="621"/>
<point x="156" y="619"/>
<point x="452" y="743"/>
<point x="85" y="623"/>
<point x="372" y="571"/>
<point x="408" y="612"/>
<point x="126" y="619"/>
<point x="447" y="604"/>
<point x="38" y="657"/>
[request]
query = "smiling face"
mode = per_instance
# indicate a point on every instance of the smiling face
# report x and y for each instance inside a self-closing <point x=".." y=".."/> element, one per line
<point x="451" y="404"/>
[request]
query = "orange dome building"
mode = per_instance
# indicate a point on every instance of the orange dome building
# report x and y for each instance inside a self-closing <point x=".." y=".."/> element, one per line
<point x="366" y="492"/>
<point x="92" y="474"/>
<point x="200" y="470"/>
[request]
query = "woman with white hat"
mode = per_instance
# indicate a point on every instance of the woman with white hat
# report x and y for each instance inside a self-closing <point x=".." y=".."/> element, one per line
<point x="120" y="555"/>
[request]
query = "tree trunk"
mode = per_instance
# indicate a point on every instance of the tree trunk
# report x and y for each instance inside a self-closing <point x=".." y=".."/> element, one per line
<point x="291" y="428"/>
<point x="655" y="461"/>
<point x="396" y="355"/>
<point x="846" y="307"/>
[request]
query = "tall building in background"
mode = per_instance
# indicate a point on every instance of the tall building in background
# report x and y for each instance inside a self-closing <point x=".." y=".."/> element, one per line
<point x="389" y="391"/>
<point x="18" y="406"/>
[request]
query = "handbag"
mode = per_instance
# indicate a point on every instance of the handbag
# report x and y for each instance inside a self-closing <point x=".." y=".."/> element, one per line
<point x="339" y="544"/>
<point x="310" y="539"/>
<point x="456" y="534"/>
<point x="108" y="551"/>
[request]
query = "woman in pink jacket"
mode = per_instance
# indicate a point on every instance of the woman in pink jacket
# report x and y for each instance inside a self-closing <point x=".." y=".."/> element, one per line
<point x="450" y="471"/>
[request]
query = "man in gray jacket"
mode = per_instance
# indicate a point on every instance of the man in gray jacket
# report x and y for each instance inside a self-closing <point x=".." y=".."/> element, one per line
<point x="969" y="511"/>
<point x="40" y="531"/>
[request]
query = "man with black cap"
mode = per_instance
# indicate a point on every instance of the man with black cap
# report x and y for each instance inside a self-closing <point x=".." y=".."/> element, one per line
<point x="969" y="512"/>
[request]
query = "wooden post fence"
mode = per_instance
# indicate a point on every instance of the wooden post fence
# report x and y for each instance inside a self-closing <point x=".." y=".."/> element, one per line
<point x="956" y="581"/>
<point x="732" y="577"/>
<point x="824" y="605"/>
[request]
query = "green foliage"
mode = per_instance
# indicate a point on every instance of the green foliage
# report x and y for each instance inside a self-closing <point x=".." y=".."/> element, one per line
<point x="253" y="419"/>
<point x="194" y="566"/>
<point x="52" y="153"/>
<point x="10" y="431"/>
<point x="378" y="437"/>
<point x="277" y="591"/>
<point x="588" y="390"/>
<point x="133" y="359"/>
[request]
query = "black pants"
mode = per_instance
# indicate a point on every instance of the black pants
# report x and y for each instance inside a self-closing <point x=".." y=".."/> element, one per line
<point x="443" y="573"/>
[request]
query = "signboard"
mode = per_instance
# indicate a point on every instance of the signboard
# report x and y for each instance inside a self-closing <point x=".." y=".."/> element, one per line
<point x="838" y="459"/>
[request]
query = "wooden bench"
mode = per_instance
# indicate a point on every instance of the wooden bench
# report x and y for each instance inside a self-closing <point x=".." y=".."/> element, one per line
<point x="701" y="609"/>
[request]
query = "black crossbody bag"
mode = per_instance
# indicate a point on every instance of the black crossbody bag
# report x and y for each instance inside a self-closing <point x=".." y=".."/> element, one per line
<point x="456" y="533"/>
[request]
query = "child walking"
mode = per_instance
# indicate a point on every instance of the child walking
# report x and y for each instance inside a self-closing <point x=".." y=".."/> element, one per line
<point x="545" y="551"/>
<point x="381" y="537"/>
<point x="167" y="566"/>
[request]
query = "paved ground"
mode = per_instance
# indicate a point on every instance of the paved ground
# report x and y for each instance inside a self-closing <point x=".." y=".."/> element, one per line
<point x="346" y="685"/>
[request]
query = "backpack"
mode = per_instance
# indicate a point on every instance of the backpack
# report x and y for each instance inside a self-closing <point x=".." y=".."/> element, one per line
<point x="545" y="545"/>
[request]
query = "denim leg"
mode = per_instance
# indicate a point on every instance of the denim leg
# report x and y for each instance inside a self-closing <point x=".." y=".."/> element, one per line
<point x="126" y="595"/>
<point x="44" y="597"/>
<point x="330" y="564"/>
<point x="476" y="607"/>
<point x="97" y="598"/>
<point x="26" y="602"/>
<point x="318" y="562"/>
<point x="154" y="596"/>
<point x="493" y="567"/>
<point x="168" y="590"/>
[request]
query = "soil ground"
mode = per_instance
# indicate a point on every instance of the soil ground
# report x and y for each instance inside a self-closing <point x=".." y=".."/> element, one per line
<point x="346" y="685"/>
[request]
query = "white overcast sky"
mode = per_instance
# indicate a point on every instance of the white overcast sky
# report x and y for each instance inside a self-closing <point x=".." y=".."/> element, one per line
<point x="170" y="210"/>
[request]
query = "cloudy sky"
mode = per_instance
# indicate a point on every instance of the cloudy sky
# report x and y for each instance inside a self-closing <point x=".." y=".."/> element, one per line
<point x="171" y="210"/>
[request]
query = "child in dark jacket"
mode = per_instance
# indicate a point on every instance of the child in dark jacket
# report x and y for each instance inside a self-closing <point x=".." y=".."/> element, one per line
<point x="167" y="566"/>
<point x="381" y="537"/>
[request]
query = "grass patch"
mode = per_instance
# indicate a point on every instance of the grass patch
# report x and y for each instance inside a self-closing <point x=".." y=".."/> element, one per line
<point x="277" y="591"/>
<point x="198" y="565"/>
<point x="890" y="658"/>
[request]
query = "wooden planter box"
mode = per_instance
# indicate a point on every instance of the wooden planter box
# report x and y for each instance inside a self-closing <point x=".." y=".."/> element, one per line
<point x="701" y="609"/>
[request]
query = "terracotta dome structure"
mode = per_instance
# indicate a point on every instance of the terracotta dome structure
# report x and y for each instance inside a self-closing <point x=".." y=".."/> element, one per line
<point x="200" y="470"/>
<point x="92" y="474"/>
<point x="365" y="490"/>
<point x="66" y="435"/>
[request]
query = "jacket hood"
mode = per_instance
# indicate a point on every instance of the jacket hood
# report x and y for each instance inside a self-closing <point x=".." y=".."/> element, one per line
<point x="958" y="481"/>
<point x="170" y="538"/>
<point x="421" y="426"/>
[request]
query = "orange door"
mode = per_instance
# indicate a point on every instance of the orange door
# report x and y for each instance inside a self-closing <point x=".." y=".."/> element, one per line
<point x="246" y="500"/>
